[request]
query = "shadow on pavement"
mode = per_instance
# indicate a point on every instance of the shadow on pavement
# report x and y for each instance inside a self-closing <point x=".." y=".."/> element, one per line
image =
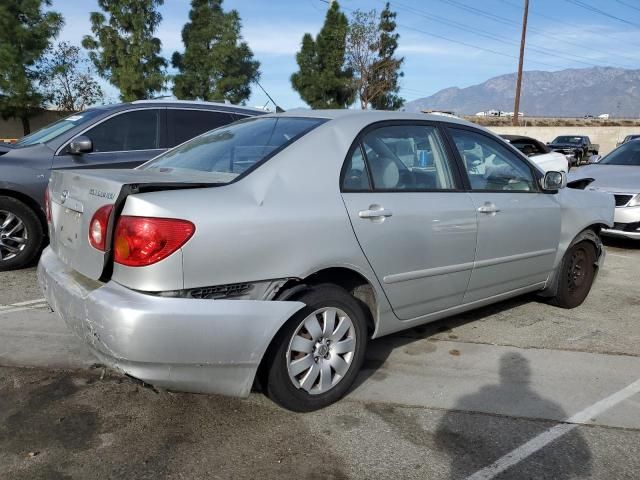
<point x="473" y="447"/>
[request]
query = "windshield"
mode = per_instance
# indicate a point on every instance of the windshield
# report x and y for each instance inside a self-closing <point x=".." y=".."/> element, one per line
<point x="227" y="152"/>
<point x="565" y="139"/>
<point x="55" y="129"/>
<point x="626" y="154"/>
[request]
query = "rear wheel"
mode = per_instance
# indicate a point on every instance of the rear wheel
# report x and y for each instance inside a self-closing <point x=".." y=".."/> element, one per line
<point x="576" y="275"/>
<point x="21" y="234"/>
<point x="316" y="357"/>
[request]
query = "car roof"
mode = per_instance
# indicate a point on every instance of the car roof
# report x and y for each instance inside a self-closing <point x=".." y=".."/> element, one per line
<point x="370" y="116"/>
<point x="196" y="104"/>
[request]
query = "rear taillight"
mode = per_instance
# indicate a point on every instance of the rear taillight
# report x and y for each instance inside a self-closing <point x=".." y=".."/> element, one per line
<point x="141" y="241"/>
<point x="47" y="205"/>
<point x="98" y="227"/>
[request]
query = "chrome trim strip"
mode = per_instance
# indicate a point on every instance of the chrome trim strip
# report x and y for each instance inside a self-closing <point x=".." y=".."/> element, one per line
<point x="512" y="258"/>
<point x="429" y="272"/>
<point x="432" y="272"/>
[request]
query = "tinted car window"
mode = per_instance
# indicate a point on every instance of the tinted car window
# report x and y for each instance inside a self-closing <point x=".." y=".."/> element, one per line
<point x="407" y="157"/>
<point x="137" y="130"/>
<point x="226" y="152"/>
<point x="490" y="165"/>
<point x="187" y="124"/>
<point x="528" y="147"/>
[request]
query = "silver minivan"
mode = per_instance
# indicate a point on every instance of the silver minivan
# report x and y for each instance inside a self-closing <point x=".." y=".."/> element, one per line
<point x="273" y="249"/>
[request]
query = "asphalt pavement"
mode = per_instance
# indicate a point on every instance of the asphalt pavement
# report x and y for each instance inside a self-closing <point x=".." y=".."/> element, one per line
<point x="515" y="390"/>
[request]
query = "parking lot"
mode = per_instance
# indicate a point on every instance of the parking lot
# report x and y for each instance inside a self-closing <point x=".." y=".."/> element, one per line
<point x="516" y="390"/>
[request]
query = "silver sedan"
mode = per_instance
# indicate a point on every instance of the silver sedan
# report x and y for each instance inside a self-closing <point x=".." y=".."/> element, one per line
<point x="273" y="249"/>
<point x="618" y="173"/>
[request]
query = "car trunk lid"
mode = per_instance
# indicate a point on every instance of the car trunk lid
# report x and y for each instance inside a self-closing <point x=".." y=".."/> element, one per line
<point x="75" y="196"/>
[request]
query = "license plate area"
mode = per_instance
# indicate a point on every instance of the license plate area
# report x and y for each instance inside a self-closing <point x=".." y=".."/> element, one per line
<point x="69" y="228"/>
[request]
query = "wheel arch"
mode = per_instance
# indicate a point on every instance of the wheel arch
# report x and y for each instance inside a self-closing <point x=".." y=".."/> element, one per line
<point x="29" y="202"/>
<point x="348" y="278"/>
<point x="591" y="234"/>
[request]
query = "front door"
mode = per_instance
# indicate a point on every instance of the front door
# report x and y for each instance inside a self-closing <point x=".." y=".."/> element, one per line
<point x="414" y="224"/>
<point x="124" y="140"/>
<point x="518" y="224"/>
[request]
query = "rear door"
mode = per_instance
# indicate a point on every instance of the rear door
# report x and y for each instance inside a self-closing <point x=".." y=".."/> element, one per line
<point x="124" y="140"/>
<point x="185" y="124"/>
<point x="414" y="223"/>
<point x="518" y="224"/>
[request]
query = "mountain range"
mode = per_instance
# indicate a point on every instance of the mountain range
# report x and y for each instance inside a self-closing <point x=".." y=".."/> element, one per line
<point x="566" y="93"/>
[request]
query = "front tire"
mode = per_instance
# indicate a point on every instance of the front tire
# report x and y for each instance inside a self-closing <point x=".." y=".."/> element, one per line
<point x="21" y="234"/>
<point x="316" y="357"/>
<point x="576" y="275"/>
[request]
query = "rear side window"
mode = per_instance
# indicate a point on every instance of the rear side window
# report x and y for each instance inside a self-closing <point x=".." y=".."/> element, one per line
<point x="187" y="124"/>
<point x="226" y="152"/>
<point x="400" y="157"/>
<point x="137" y="130"/>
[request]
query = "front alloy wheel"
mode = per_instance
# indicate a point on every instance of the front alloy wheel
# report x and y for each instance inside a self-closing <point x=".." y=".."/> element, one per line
<point x="21" y="234"/>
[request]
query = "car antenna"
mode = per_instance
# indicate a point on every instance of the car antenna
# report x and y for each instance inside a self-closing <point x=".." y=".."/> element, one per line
<point x="278" y="109"/>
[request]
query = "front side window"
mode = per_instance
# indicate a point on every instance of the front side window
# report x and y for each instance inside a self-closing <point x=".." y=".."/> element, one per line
<point x="56" y="129"/>
<point x="137" y="130"/>
<point x="407" y="157"/>
<point x="226" y="152"/>
<point x="490" y="165"/>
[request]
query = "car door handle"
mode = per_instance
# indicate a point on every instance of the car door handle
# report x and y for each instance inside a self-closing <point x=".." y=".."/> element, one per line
<point x="488" y="208"/>
<point x="375" y="212"/>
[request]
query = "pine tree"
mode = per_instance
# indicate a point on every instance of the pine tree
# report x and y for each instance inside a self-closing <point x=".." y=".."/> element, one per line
<point x="322" y="79"/>
<point x="124" y="50"/>
<point x="26" y="33"/>
<point x="216" y="63"/>
<point x="390" y="100"/>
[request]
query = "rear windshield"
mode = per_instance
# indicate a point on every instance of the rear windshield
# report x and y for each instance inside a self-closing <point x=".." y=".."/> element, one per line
<point x="55" y="129"/>
<point x="229" y="151"/>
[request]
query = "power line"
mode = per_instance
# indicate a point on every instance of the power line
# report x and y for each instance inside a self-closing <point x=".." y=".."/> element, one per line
<point x="628" y="5"/>
<point x="483" y="33"/>
<point x="593" y="9"/>
<point x="565" y="23"/>
<point x="512" y="24"/>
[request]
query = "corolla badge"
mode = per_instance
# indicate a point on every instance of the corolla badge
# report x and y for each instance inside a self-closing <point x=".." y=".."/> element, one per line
<point x="64" y="195"/>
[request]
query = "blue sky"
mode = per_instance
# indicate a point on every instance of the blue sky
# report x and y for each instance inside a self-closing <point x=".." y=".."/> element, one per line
<point x="445" y="42"/>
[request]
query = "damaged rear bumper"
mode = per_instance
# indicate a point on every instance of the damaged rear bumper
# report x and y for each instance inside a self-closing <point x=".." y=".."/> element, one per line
<point x="209" y="346"/>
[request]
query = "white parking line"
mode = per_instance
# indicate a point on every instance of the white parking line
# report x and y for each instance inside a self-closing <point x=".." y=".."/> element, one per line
<point x="545" y="438"/>
<point x="22" y="306"/>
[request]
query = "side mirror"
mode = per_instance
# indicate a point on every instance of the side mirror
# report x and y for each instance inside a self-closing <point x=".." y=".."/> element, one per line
<point x="554" y="181"/>
<point x="80" y="144"/>
<point x="595" y="158"/>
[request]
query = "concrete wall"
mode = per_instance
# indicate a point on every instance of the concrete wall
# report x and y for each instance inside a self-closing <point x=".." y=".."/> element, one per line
<point x="606" y="137"/>
<point x="12" y="128"/>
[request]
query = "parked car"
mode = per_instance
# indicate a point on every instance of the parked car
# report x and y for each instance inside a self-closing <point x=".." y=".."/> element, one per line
<point x="618" y="173"/>
<point x="628" y="138"/>
<point x="539" y="153"/>
<point x="276" y="247"/>
<point x="577" y="148"/>
<point x="120" y="136"/>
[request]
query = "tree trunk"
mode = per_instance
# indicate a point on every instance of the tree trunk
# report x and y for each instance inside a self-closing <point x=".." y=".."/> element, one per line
<point x="26" y="126"/>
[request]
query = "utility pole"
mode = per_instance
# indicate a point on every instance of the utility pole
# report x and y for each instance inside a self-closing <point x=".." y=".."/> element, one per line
<point x="516" y="108"/>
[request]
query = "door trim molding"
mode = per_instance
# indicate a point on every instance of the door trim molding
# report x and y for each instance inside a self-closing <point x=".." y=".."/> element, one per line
<point x="513" y="258"/>
<point x="429" y="272"/>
